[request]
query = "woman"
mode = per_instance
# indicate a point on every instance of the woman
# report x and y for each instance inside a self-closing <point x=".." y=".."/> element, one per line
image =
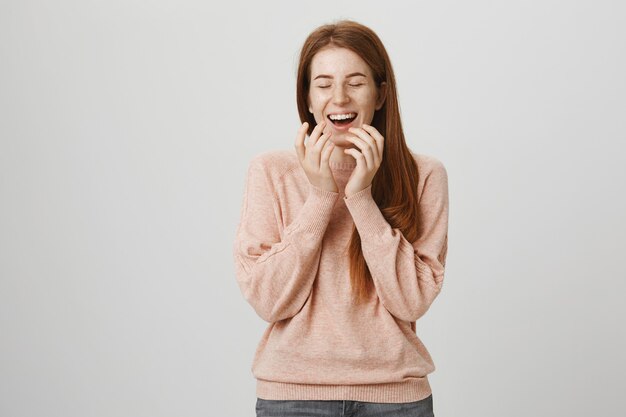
<point x="342" y="243"/>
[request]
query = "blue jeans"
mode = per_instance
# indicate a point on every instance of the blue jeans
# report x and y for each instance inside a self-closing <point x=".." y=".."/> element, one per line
<point x="337" y="408"/>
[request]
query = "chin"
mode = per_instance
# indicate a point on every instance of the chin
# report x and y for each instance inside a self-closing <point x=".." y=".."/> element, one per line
<point x="338" y="140"/>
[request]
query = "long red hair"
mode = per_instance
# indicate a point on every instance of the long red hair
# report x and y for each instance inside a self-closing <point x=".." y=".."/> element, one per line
<point x="394" y="187"/>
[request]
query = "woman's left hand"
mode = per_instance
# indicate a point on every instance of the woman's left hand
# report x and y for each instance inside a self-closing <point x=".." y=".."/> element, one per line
<point x="371" y="144"/>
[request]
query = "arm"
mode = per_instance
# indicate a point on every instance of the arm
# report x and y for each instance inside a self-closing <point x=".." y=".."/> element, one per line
<point x="275" y="273"/>
<point x="407" y="276"/>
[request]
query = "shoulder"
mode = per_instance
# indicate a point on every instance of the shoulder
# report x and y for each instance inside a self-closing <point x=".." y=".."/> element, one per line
<point x="274" y="164"/>
<point x="428" y="165"/>
<point x="433" y="177"/>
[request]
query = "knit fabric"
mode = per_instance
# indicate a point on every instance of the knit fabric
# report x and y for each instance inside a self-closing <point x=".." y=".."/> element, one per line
<point x="292" y="267"/>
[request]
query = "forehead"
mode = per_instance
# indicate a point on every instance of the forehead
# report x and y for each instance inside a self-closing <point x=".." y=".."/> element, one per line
<point x="338" y="62"/>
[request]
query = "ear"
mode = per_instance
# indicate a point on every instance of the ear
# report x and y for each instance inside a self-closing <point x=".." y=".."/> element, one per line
<point x="382" y="95"/>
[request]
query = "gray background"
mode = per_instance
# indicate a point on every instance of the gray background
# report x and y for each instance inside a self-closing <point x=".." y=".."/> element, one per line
<point x="126" y="128"/>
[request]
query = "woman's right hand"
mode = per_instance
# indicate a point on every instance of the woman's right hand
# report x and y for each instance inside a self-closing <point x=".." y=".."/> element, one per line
<point x="314" y="156"/>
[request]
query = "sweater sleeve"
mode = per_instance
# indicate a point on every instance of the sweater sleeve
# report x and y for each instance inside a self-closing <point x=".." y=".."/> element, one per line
<point x="407" y="276"/>
<point x="275" y="271"/>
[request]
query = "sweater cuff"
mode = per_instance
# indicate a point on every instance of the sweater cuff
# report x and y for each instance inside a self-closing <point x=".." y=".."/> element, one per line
<point x="368" y="218"/>
<point x="317" y="210"/>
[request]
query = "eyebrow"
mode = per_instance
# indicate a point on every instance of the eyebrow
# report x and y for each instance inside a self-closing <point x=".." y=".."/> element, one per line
<point x="353" y="74"/>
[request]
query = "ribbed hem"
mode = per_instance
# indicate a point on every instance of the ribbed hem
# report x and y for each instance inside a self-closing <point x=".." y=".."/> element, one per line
<point x="368" y="218"/>
<point x="317" y="210"/>
<point x="398" y="392"/>
<point x="343" y="166"/>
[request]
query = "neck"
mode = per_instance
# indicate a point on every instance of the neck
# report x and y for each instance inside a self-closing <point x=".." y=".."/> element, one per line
<point x="339" y="159"/>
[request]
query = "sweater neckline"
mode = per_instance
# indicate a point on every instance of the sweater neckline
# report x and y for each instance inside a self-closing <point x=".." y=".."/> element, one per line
<point x="342" y="166"/>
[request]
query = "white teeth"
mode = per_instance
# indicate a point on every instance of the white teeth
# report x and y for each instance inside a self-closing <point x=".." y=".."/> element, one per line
<point x="342" y="116"/>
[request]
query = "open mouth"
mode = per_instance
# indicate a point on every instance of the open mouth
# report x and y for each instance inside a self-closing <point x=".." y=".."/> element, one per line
<point x="342" y="119"/>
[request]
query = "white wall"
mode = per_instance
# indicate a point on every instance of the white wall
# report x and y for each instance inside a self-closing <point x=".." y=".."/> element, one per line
<point x="126" y="128"/>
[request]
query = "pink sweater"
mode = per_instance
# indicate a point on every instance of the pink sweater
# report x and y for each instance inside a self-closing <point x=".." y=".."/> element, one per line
<point x="291" y="268"/>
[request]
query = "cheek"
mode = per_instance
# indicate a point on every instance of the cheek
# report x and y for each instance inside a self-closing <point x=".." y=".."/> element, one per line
<point x="367" y="101"/>
<point x="316" y="102"/>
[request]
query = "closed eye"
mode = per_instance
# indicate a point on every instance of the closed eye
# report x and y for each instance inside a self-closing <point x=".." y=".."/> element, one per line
<point x="351" y="85"/>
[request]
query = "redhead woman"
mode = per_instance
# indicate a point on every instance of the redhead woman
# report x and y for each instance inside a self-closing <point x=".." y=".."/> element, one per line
<point x="342" y="243"/>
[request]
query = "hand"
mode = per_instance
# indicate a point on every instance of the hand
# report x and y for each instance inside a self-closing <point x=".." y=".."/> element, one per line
<point x="314" y="156"/>
<point x="371" y="144"/>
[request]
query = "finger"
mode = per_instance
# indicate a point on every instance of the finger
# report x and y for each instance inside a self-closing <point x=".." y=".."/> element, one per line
<point x="316" y="149"/>
<point x="326" y="152"/>
<point x="360" y="160"/>
<point x="322" y="140"/>
<point x="361" y="133"/>
<point x="365" y="148"/>
<point x="300" y="140"/>
<point x="315" y="134"/>
<point x="380" y="140"/>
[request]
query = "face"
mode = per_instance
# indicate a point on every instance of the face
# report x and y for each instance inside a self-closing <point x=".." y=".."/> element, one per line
<point x="343" y="92"/>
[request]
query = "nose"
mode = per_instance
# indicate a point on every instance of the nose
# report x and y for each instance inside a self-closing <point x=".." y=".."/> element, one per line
<point x="340" y="95"/>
